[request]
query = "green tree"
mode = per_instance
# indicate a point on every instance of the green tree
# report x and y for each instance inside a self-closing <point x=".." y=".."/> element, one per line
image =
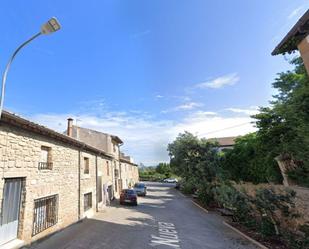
<point x="164" y="169"/>
<point x="193" y="159"/>
<point x="283" y="128"/>
<point x="247" y="161"/>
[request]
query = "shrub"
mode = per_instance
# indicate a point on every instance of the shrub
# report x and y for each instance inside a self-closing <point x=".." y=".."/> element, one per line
<point x="188" y="186"/>
<point x="206" y="194"/>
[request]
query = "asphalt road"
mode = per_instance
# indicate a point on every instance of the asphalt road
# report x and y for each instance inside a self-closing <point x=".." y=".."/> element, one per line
<point x="163" y="219"/>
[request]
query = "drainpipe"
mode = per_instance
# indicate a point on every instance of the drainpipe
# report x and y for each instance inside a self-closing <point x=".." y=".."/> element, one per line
<point x="96" y="182"/>
<point x="120" y="170"/>
<point x="79" y="166"/>
<point x="113" y="178"/>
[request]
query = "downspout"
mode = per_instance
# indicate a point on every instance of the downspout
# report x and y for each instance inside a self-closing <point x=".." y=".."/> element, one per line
<point x="120" y="168"/>
<point x="96" y="182"/>
<point x="79" y="166"/>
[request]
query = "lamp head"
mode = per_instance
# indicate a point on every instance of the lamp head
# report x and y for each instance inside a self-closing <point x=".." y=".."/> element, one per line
<point x="51" y="26"/>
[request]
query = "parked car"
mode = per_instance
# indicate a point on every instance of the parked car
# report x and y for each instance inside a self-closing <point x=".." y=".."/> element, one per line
<point x="140" y="189"/>
<point x="170" y="180"/>
<point x="128" y="196"/>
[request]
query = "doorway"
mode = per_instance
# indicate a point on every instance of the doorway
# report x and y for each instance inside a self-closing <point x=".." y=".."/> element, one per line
<point x="10" y="209"/>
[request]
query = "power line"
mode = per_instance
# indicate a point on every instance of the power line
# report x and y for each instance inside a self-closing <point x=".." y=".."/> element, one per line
<point x="227" y="128"/>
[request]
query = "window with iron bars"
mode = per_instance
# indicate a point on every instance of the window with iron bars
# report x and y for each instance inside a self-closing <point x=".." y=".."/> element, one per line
<point x="45" y="213"/>
<point x="87" y="201"/>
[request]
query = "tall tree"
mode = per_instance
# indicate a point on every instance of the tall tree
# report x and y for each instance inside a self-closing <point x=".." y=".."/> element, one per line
<point x="284" y="127"/>
<point x="193" y="158"/>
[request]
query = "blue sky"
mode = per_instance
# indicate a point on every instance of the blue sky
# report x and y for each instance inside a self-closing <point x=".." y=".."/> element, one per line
<point x="146" y="70"/>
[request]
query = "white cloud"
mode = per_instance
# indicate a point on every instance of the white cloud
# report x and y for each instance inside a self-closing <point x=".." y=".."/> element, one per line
<point x="249" y="111"/>
<point x="225" y="80"/>
<point x="296" y="12"/>
<point x="184" y="107"/>
<point x="159" y="96"/>
<point x="189" y="106"/>
<point x="146" y="137"/>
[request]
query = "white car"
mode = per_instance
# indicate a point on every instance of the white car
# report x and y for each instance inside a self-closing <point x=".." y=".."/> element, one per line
<point x="170" y="180"/>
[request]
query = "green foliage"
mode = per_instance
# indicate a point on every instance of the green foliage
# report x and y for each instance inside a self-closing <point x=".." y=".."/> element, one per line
<point x="193" y="158"/>
<point x="164" y="169"/>
<point x="247" y="162"/>
<point x="157" y="173"/>
<point x="150" y="174"/>
<point x="283" y="128"/>
<point x="188" y="186"/>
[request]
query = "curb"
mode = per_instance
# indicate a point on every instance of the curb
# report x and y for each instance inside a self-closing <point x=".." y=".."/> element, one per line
<point x="182" y="194"/>
<point x="246" y="236"/>
<point x="204" y="209"/>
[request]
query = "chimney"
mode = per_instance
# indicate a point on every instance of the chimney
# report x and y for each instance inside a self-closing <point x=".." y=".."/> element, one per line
<point x="70" y="127"/>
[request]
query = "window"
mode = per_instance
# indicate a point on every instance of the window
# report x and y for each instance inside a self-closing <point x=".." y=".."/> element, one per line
<point x="87" y="201"/>
<point x="45" y="160"/>
<point x="45" y="213"/>
<point x="114" y="147"/>
<point x="107" y="168"/>
<point x="99" y="188"/>
<point x="116" y="173"/>
<point x="86" y="165"/>
<point x="116" y="186"/>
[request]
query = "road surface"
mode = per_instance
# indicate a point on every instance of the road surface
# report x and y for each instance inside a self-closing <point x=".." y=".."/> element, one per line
<point x="164" y="219"/>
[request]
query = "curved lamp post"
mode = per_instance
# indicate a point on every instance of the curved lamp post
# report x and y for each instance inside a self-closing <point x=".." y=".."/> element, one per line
<point x="51" y="26"/>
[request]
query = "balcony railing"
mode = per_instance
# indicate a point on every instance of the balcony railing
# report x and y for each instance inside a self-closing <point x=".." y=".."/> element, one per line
<point x="46" y="165"/>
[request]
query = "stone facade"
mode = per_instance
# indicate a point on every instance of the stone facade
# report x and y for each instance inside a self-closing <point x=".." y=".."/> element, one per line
<point x="125" y="172"/>
<point x="20" y="155"/>
<point x="129" y="172"/>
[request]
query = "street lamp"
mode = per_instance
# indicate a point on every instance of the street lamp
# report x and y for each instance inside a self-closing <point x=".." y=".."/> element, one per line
<point x="51" y="26"/>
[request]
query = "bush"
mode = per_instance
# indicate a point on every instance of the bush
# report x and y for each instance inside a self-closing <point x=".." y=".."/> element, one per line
<point x="188" y="187"/>
<point x="206" y="194"/>
<point x="229" y="197"/>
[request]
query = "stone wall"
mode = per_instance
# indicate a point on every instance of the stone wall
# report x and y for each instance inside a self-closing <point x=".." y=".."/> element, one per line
<point x="20" y="153"/>
<point x="129" y="174"/>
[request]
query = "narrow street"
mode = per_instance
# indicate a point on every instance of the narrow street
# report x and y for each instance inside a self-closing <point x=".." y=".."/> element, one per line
<point x="163" y="219"/>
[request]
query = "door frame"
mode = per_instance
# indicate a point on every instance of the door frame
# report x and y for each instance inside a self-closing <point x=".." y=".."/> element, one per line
<point x="20" y="204"/>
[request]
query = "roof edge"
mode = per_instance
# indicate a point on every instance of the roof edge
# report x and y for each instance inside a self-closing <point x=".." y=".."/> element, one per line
<point x="289" y="43"/>
<point x="25" y="124"/>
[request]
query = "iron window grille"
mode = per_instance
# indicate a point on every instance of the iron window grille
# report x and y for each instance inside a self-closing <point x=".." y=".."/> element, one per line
<point x="45" y="165"/>
<point x="45" y="213"/>
<point x="87" y="201"/>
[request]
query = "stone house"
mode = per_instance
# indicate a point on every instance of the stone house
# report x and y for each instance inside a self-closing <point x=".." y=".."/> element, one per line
<point x="48" y="180"/>
<point x="106" y="142"/>
<point x="129" y="171"/>
<point x="111" y="144"/>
